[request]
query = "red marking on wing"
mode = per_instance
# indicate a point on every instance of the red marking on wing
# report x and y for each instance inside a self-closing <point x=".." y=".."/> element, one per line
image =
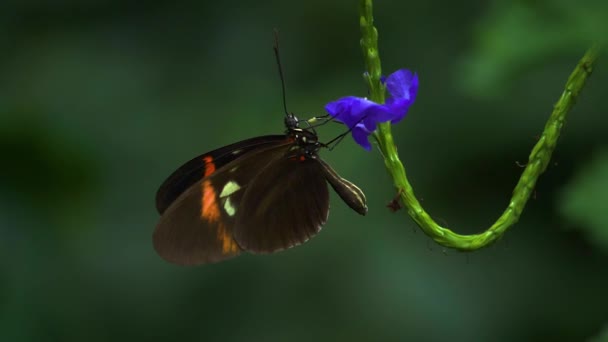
<point x="209" y="165"/>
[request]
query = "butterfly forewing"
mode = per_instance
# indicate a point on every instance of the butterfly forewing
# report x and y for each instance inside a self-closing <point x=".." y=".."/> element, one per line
<point x="205" y="165"/>
<point x="285" y="204"/>
<point x="259" y="195"/>
<point x="198" y="226"/>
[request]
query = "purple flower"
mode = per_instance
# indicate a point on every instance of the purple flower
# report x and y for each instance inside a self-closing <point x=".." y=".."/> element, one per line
<point x="363" y="115"/>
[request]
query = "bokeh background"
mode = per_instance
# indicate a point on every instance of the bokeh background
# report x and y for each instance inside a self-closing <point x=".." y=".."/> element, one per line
<point x="101" y="100"/>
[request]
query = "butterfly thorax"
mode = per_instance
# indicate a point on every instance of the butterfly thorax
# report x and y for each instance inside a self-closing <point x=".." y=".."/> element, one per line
<point x="305" y="143"/>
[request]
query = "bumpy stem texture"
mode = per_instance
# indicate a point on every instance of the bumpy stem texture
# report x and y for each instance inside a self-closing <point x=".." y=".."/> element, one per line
<point x="537" y="161"/>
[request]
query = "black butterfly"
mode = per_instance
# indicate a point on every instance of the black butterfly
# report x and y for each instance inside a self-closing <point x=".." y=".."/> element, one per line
<point x="259" y="195"/>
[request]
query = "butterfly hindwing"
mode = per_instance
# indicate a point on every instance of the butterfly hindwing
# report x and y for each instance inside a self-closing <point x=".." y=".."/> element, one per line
<point x="205" y="165"/>
<point x="197" y="227"/>
<point x="284" y="205"/>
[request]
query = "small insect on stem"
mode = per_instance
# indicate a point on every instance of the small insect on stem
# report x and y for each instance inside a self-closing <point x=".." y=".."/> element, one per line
<point x="394" y="204"/>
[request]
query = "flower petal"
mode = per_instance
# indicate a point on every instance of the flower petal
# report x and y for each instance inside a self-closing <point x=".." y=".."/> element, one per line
<point x="399" y="108"/>
<point x="360" y="135"/>
<point x="363" y="115"/>
<point x="375" y="115"/>
<point x="402" y="84"/>
<point x="351" y="110"/>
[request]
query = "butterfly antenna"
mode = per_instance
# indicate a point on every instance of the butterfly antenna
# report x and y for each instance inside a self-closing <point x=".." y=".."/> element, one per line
<point x="278" y="58"/>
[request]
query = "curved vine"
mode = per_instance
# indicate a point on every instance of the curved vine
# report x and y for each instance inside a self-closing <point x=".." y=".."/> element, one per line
<point x="537" y="162"/>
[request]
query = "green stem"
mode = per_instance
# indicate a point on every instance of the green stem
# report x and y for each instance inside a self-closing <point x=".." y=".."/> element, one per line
<point x="537" y="162"/>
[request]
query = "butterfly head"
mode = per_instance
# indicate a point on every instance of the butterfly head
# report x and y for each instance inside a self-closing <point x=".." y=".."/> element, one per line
<point x="291" y="121"/>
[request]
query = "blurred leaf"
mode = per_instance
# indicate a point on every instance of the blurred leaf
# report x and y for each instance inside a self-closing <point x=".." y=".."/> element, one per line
<point x="43" y="170"/>
<point x="602" y="336"/>
<point x="584" y="200"/>
<point x="516" y="36"/>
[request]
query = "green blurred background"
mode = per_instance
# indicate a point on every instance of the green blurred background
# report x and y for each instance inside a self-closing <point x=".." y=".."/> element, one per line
<point x="101" y="100"/>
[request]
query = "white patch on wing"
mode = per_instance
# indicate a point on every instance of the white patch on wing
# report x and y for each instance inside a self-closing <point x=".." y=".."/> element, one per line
<point x="229" y="208"/>
<point x="230" y="188"/>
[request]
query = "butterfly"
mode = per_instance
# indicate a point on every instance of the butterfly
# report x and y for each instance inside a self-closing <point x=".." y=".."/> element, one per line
<point x="259" y="195"/>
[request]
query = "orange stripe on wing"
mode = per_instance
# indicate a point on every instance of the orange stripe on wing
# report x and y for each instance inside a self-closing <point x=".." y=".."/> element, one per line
<point x="229" y="246"/>
<point x="209" y="165"/>
<point x="210" y="212"/>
